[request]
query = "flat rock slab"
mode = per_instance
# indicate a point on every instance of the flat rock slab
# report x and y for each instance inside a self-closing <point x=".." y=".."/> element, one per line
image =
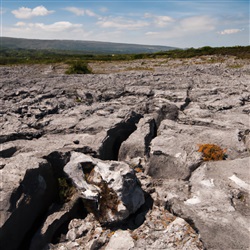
<point x="218" y="203"/>
<point x="174" y="152"/>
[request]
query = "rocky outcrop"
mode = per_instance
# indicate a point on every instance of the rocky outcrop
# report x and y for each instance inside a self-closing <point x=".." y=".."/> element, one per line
<point x="93" y="161"/>
<point x="28" y="189"/>
<point x="111" y="189"/>
<point x="34" y="188"/>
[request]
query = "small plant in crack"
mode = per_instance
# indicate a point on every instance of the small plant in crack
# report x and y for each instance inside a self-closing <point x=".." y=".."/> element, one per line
<point x="212" y="152"/>
<point x="78" y="99"/>
<point x="138" y="168"/>
<point x="108" y="200"/>
<point x="66" y="190"/>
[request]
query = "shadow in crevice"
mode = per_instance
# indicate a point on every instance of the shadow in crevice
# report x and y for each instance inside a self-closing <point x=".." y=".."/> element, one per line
<point x="149" y="137"/>
<point x="116" y="135"/>
<point x="59" y="213"/>
<point x="78" y="211"/>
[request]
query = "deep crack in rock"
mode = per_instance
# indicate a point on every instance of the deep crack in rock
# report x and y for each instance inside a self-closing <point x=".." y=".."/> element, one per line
<point x="116" y="135"/>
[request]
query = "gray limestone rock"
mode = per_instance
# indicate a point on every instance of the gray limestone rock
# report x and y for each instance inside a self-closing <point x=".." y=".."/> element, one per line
<point x="120" y="240"/>
<point x="52" y="125"/>
<point x="137" y="145"/>
<point x="27" y="190"/>
<point x="174" y="151"/>
<point x="217" y="202"/>
<point x="162" y="230"/>
<point x="111" y="186"/>
<point x="55" y="219"/>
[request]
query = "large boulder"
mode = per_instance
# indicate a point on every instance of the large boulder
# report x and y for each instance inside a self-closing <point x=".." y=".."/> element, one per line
<point x="28" y="188"/>
<point x="111" y="186"/>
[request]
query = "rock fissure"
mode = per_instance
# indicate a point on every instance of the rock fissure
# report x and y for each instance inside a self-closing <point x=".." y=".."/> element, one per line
<point x="96" y="161"/>
<point x="109" y="149"/>
<point x="28" y="204"/>
<point x="21" y="136"/>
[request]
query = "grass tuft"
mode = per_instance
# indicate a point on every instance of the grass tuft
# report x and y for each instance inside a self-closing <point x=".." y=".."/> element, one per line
<point x="79" y="67"/>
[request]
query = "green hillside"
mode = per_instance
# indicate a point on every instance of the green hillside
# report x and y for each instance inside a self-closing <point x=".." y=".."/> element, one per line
<point x="18" y="51"/>
<point x="86" y="47"/>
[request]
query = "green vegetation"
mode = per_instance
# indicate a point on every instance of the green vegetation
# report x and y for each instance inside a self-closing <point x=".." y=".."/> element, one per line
<point x="212" y="152"/>
<point x="79" y="67"/>
<point x="10" y="56"/>
<point x="66" y="190"/>
<point x="235" y="66"/>
<point x="80" y="47"/>
<point x="242" y="52"/>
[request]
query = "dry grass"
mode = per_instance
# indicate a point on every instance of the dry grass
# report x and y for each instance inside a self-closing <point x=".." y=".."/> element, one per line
<point x="212" y="152"/>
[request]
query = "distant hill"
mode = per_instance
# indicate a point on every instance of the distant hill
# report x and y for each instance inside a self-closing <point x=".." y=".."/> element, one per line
<point x="88" y="47"/>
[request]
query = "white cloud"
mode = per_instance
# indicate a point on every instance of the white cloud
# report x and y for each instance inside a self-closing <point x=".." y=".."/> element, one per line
<point x="20" y="24"/>
<point x="55" y="27"/>
<point x="229" y="31"/>
<point x="148" y="15"/>
<point x="81" y="12"/>
<point x="91" y="13"/>
<point x="76" y="11"/>
<point x="160" y="21"/>
<point x="197" y="23"/>
<point x="121" y="23"/>
<point x="57" y="30"/>
<point x="186" y="27"/>
<point x="150" y="33"/>
<point x="27" y="13"/>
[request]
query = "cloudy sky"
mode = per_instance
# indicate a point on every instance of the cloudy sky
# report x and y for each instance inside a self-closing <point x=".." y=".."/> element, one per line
<point x="179" y="23"/>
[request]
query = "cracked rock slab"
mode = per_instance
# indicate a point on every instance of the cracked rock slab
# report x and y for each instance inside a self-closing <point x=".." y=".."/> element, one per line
<point x="218" y="203"/>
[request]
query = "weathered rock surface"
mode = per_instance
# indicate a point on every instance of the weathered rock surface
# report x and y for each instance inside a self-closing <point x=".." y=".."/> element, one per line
<point x="218" y="203"/>
<point x="120" y="240"/>
<point x="111" y="186"/>
<point x="92" y="161"/>
<point x="27" y="190"/>
<point x="137" y="145"/>
<point x="162" y="230"/>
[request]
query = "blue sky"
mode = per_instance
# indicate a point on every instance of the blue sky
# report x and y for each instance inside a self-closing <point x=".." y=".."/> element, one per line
<point x="179" y="23"/>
